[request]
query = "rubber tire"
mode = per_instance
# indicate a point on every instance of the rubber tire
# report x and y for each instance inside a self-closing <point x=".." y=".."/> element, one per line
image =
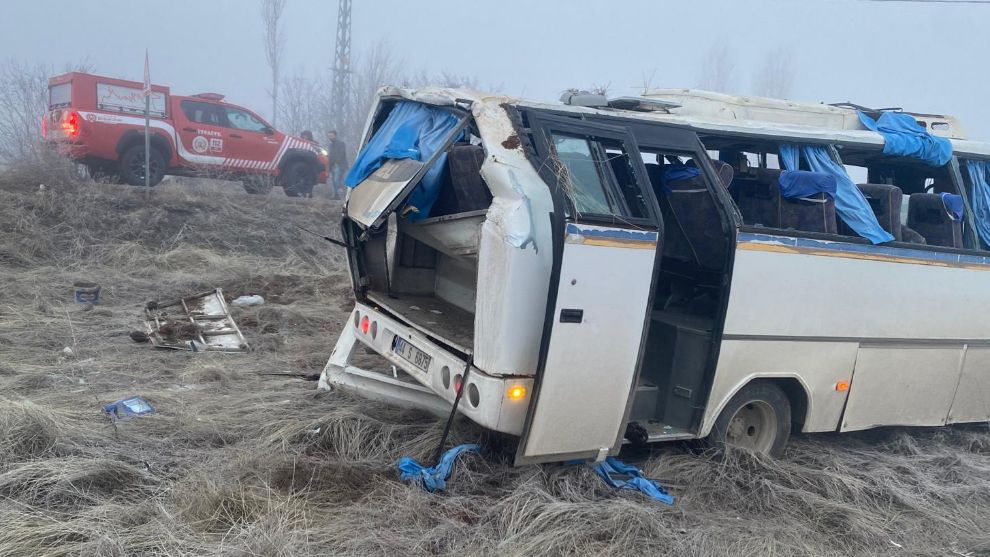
<point x="257" y="186"/>
<point x="298" y="179"/>
<point x="132" y="158"/>
<point x="757" y="391"/>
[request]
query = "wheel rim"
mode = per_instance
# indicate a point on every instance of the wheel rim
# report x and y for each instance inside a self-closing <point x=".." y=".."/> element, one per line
<point x="753" y="427"/>
<point x="137" y="168"/>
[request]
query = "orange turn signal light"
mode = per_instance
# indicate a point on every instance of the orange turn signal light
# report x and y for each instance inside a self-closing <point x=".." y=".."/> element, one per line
<point x="842" y="386"/>
<point x="517" y="392"/>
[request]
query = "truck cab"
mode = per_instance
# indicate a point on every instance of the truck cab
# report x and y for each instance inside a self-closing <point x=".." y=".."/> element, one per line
<point x="99" y="122"/>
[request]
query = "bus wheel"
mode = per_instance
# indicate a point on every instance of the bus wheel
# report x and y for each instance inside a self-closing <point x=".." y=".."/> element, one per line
<point x="758" y="419"/>
<point x="132" y="166"/>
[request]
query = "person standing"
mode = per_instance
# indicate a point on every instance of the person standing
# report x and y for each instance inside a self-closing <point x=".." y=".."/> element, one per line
<point x="338" y="164"/>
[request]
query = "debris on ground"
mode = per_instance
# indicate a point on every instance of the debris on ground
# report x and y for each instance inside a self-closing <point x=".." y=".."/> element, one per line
<point x="128" y="408"/>
<point x="248" y="301"/>
<point x="625" y="476"/>
<point x="87" y="292"/>
<point x="199" y="323"/>
<point x="435" y="477"/>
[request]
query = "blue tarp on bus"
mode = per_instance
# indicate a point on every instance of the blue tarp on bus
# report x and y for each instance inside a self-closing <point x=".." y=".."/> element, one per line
<point x="903" y="136"/>
<point x="411" y="131"/>
<point x="850" y="203"/>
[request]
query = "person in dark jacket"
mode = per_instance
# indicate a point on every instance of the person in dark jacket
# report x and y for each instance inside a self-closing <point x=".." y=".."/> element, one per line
<point x="338" y="164"/>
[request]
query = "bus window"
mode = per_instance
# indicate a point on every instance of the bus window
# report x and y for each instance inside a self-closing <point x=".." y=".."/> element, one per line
<point x="586" y="187"/>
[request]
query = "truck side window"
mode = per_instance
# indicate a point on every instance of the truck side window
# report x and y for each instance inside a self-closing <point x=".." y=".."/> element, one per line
<point x="203" y="113"/>
<point x="243" y="120"/>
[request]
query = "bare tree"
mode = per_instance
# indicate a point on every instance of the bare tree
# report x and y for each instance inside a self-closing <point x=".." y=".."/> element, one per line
<point x="718" y="69"/>
<point x="23" y="101"/>
<point x="776" y="76"/>
<point x="271" y="14"/>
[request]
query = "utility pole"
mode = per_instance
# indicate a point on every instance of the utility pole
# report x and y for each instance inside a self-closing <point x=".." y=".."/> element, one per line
<point x="341" y="63"/>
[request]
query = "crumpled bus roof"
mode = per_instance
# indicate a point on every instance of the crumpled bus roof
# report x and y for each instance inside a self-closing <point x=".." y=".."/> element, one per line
<point x="835" y="129"/>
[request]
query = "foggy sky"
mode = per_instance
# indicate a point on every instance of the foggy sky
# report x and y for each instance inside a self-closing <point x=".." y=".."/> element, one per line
<point x="923" y="57"/>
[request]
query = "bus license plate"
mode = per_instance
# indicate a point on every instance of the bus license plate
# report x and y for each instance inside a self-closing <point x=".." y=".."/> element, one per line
<point x="411" y="354"/>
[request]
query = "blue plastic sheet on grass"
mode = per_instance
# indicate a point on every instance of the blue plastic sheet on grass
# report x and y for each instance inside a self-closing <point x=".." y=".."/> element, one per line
<point x="801" y="183"/>
<point x="128" y="407"/>
<point x="433" y="478"/>
<point x="625" y="476"/>
<point x="953" y="205"/>
<point x="980" y="197"/>
<point x="411" y="131"/>
<point x="903" y="136"/>
<point x="850" y="203"/>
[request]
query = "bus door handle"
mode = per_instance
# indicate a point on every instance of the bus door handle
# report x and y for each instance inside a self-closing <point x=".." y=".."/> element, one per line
<point x="571" y="315"/>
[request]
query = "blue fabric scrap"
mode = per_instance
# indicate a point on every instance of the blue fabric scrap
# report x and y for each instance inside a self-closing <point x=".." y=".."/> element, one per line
<point x="801" y="183"/>
<point x="611" y="469"/>
<point x="433" y="478"/>
<point x="128" y="407"/>
<point x="980" y="197"/>
<point x="903" y="136"/>
<point x="676" y="173"/>
<point x="411" y="131"/>
<point x="953" y="205"/>
<point x="850" y="203"/>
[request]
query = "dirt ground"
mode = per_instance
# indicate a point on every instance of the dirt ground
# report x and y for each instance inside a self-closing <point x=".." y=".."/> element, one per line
<point x="239" y="462"/>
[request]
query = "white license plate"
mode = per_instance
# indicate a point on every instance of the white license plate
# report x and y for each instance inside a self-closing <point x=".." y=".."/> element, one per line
<point x="411" y="354"/>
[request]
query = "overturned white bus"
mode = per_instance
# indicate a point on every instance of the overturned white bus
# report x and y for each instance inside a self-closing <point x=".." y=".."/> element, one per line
<point x="676" y="266"/>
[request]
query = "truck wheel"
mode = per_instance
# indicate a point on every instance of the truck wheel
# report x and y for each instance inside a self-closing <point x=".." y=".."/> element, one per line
<point x="257" y="185"/>
<point x="132" y="166"/>
<point x="298" y="179"/>
<point x="758" y="419"/>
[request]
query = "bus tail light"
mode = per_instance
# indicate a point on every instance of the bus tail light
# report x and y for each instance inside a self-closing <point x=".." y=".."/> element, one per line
<point x="44" y="126"/>
<point x="365" y="324"/>
<point x="842" y="386"/>
<point x="517" y="392"/>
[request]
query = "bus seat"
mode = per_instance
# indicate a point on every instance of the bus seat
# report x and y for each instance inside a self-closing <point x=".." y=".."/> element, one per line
<point x="927" y="215"/>
<point x="761" y="203"/>
<point x="885" y="200"/>
<point x="725" y="172"/>
<point x="464" y="190"/>
<point x="911" y="236"/>
<point x="692" y="229"/>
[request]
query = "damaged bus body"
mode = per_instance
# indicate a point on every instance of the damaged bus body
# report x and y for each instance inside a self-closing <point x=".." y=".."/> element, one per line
<point x="676" y="266"/>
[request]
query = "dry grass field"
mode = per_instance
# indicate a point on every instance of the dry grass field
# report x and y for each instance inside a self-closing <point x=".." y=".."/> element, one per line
<point x="240" y="463"/>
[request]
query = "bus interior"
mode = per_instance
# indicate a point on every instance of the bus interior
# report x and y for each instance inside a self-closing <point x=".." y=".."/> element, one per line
<point x="425" y="271"/>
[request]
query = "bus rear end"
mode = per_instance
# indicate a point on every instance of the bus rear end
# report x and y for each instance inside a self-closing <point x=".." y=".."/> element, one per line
<point x="450" y="287"/>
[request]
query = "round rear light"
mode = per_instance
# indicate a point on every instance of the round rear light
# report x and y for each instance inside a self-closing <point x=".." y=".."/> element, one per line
<point x="457" y="383"/>
<point x="374" y="329"/>
<point x="445" y="377"/>
<point x="474" y="396"/>
<point x="365" y="324"/>
<point x="357" y="318"/>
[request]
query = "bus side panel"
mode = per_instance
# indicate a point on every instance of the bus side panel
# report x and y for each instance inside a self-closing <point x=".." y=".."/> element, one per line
<point x="816" y="365"/>
<point x="821" y="299"/>
<point x="972" y="400"/>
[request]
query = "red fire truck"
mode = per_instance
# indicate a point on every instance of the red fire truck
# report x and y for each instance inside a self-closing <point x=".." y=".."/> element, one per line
<point x="99" y="121"/>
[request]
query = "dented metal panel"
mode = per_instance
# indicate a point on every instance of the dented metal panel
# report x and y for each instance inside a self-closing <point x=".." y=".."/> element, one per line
<point x="198" y="323"/>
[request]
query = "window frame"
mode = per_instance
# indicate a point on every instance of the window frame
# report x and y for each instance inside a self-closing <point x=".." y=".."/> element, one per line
<point x="226" y="115"/>
<point x="547" y="124"/>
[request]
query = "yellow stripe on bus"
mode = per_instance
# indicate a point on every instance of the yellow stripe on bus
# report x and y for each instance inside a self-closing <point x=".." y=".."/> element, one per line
<point x="780" y="248"/>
